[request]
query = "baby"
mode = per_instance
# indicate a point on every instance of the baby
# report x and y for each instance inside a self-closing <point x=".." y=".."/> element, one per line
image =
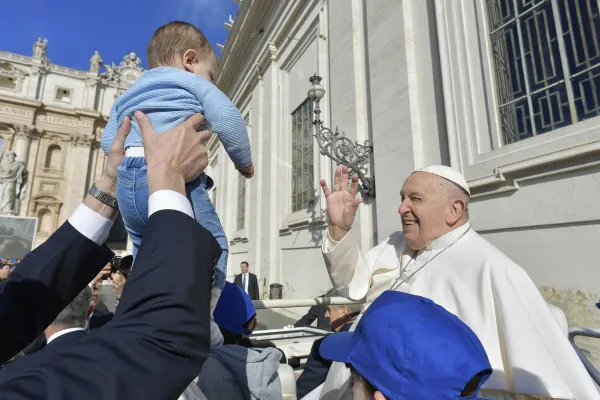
<point x="178" y="84"/>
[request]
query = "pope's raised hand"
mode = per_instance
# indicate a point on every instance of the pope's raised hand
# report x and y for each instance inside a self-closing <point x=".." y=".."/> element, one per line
<point x="341" y="203"/>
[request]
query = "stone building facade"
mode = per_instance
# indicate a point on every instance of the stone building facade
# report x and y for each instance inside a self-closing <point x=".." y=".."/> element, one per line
<point x="505" y="91"/>
<point x="52" y="118"/>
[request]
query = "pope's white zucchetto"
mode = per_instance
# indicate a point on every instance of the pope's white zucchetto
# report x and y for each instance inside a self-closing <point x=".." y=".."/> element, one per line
<point x="449" y="174"/>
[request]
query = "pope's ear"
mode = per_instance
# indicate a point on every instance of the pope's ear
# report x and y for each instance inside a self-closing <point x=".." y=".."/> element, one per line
<point x="456" y="211"/>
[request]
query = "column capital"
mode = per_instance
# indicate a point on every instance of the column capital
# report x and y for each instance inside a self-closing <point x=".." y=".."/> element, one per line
<point x="82" y="140"/>
<point x="25" y="131"/>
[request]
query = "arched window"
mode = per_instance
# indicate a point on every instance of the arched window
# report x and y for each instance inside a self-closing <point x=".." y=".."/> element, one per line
<point x="53" y="157"/>
<point x="45" y="221"/>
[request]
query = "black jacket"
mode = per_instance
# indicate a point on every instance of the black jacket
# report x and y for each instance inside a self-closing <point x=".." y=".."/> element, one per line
<point x="316" y="368"/>
<point x="47" y="280"/>
<point x="160" y="335"/>
<point x="315" y="312"/>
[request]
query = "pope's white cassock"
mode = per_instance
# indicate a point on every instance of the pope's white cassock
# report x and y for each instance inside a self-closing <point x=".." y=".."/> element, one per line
<point x="464" y="273"/>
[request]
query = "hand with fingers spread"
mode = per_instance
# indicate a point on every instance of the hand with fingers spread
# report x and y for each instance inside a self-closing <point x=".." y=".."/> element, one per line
<point x="174" y="157"/>
<point x="341" y="203"/>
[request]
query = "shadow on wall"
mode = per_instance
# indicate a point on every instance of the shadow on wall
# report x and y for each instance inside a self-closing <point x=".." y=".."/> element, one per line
<point x="316" y="230"/>
<point x="581" y="311"/>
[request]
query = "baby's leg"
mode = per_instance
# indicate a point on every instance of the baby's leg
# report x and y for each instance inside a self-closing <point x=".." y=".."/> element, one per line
<point x="132" y="194"/>
<point x="207" y="216"/>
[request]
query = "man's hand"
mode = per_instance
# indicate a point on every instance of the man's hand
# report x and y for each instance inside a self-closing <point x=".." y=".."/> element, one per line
<point x="247" y="172"/>
<point x="96" y="283"/>
<point x="117" y="281"/>
<point x="108" y="182"/>
<point x="116" y="153"/>
<point x="341" y="203"/>
<point x="174" y="157"/>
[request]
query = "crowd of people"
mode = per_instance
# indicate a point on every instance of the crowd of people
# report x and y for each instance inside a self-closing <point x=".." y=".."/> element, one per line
<point x="442" y="313"/>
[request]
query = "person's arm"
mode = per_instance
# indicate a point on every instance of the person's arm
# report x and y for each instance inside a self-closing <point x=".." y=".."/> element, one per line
<point x="256" y="288"/>
<point x="225" y="120"/>
<point x="49" y="278"/>
<point x="160" y="336"/>
<point x="349" y="269"/>
<point x="308" y="318"/>
<point x="52" y="275"/>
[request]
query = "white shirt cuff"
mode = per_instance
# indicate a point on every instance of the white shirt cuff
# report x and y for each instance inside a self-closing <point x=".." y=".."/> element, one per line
<point x="91" y="224"/>
<point x="169" y="200"/>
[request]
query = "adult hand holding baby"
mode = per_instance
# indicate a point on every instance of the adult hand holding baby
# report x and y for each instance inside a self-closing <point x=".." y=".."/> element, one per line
<point x="174" y="157"/>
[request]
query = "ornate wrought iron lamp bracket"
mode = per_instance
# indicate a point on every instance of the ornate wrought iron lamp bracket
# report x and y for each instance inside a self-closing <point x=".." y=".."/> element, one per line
<point x="338" y="147"/>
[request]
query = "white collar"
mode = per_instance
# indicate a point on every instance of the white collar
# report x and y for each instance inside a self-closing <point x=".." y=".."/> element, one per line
<point x="63" y="332"/>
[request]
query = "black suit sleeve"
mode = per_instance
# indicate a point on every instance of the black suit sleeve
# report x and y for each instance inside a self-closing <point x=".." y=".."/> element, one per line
<point x="160" y="335"/>
<point x="308" y="318"/>
<point x="45" y="282"/>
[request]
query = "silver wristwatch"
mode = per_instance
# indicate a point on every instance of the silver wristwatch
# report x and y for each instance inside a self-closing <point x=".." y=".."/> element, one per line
<point x="104" y="197"/>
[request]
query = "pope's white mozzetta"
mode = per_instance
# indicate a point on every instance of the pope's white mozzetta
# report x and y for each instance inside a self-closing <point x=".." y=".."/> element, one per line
<point x="464" y="273"/>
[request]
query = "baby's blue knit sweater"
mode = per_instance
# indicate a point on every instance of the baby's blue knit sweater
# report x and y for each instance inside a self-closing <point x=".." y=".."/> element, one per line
<point x="169" y="96"/>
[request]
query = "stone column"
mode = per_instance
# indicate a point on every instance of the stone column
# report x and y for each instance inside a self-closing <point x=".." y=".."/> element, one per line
<point x="76" y="173"/>
<point x="37" y="71"/>
<point x="23" y="135"/>
<point x="91" y="85"/>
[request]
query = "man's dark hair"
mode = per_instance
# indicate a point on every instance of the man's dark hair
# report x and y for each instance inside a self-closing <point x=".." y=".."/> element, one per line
<point x="172" y="40"/>
<point x="245" y="262"/>
<point x="75" y="314"/>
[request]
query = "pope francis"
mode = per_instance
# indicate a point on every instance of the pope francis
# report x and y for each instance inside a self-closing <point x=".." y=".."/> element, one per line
<point x="438" y="255"/>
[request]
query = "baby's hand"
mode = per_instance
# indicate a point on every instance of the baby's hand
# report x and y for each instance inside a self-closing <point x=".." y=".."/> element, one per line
<point x="247" y="172"/>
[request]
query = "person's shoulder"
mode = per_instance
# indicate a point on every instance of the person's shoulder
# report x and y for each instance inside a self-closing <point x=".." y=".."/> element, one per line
<point x="480" y="250"/>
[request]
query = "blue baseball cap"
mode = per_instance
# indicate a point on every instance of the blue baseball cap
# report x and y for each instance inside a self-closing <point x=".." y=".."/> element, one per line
<point x="408" y="347"/>
<point x="234" y="309"/>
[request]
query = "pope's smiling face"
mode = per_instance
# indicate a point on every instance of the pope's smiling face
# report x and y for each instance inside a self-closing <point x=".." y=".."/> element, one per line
<point x="429" y="209"/>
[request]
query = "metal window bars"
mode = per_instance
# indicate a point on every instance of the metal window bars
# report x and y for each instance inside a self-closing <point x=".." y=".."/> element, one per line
<point x="546" y="63"/>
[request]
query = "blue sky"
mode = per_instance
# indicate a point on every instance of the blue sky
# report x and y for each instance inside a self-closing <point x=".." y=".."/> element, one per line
<point x="75" y="28"/>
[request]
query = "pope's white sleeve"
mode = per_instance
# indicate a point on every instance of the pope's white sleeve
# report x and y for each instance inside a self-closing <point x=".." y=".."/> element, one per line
<point x="348" y="270"/>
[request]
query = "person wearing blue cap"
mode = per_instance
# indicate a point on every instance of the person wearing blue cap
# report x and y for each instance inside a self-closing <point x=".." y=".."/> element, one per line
<point x="408" y="347"/>
<point x="233" y="371"/>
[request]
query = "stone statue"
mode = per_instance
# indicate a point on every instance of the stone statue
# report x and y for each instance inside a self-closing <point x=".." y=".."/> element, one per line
<point x="131" y="60"/>
<point x="13" y="184"/>
<point x="95" y="62"/>
<point x="39" y="48"/>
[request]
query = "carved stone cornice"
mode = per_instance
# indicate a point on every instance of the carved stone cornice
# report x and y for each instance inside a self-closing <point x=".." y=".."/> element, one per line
<point x="91" y="82"/>
<point x="82" y="140"/>
<point x="42" y="68"/>
<point x="25" y="131"/>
